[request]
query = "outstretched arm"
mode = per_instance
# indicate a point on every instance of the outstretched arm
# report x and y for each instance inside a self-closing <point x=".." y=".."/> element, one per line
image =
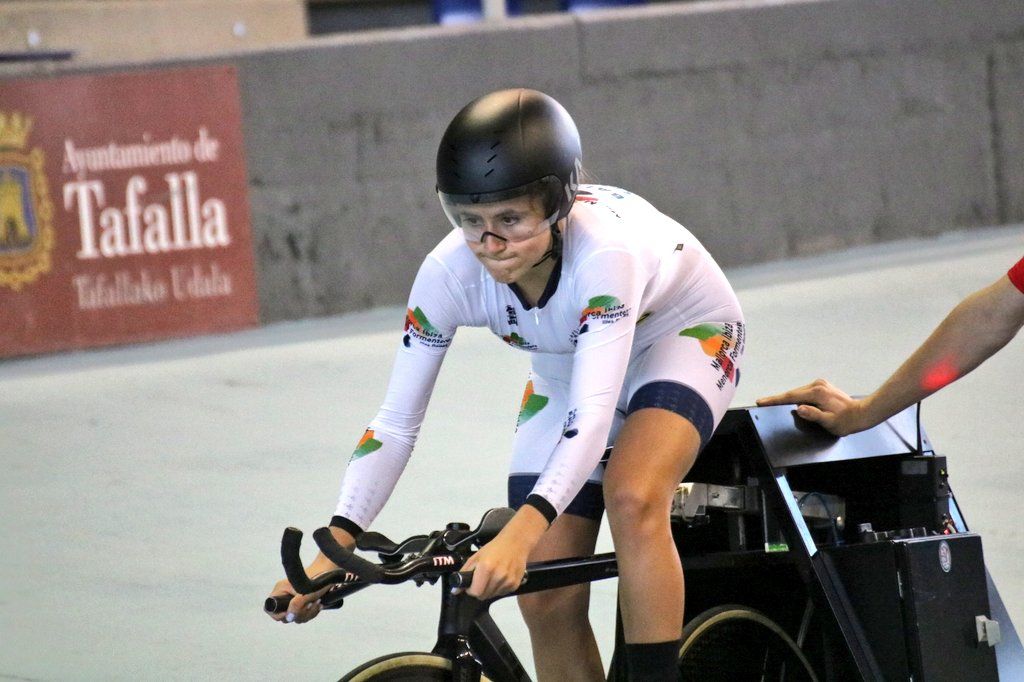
<point x="974" y="330"/>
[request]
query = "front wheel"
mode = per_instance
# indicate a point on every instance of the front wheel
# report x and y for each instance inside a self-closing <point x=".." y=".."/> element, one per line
<point x="735" y="643"/>
<point x="405" y="667"/>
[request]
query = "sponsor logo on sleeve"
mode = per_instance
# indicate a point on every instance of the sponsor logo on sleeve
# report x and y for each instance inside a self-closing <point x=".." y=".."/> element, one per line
<point x="724" y="344"/>
<point x="367" y="445"/>
<point x="531" y="405"/>
<point x="418" y="327"/>
<point x="567" y="427"/>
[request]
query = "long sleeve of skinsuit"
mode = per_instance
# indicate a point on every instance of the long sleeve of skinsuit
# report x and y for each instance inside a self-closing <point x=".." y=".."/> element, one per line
<point x="436" y="304"/>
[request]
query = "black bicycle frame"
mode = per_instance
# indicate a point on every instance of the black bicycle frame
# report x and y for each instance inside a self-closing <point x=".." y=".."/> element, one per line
<point x="469" y="637"/>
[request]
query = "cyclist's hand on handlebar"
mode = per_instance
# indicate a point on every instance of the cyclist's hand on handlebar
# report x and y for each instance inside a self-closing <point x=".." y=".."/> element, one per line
<point x="305" y="607"/>
<point x="826" y="405"/>
<point x="302" y="607"/>
<point x="499" y="566"/>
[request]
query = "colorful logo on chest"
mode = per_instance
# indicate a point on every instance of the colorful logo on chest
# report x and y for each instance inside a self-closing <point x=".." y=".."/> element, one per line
<point x="517" y="341"/>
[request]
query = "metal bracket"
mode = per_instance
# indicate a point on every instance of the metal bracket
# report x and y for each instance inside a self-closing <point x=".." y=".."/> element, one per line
<point x="988" y="630"/>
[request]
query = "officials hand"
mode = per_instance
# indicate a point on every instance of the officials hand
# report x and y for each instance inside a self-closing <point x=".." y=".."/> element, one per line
<point x="822" y="403"/>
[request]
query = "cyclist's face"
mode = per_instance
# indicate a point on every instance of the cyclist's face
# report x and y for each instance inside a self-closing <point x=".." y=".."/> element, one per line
<point x="508" y="237"/>
<point x="514" y="220"/>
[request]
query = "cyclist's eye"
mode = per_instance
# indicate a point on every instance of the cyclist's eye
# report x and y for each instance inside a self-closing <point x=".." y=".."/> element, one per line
<point x="510" y="220"/>
<point x="470" y="221"/>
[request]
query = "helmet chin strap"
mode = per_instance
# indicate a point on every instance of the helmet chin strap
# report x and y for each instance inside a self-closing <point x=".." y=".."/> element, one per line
<point x="555" y="248"/>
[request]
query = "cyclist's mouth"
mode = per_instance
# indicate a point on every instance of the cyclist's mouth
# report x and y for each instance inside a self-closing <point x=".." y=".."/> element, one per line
<point x="492" y="259"/>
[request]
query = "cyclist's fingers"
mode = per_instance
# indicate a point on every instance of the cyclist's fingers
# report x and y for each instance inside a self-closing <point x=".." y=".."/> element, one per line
<point x="306" y="613"/>
<point x="310" y="611"/>
<point x="297" y="608"/>
<point x="497" y="583"/>
<point x="281" y="589"/>
<point x="469" y="565"/>
<point x="481" y="585"/>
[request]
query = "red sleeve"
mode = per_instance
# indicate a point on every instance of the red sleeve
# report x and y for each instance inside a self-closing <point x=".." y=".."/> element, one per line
<point x="1016" y="275"/>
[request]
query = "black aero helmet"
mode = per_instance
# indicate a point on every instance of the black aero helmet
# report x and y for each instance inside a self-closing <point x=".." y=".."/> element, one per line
<point x="507" y="144"/>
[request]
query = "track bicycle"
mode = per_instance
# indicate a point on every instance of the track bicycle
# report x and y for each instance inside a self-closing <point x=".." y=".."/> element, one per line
<point x="730" y="642"/>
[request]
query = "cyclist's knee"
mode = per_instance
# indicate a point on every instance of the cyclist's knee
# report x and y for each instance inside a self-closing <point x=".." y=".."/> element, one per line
<point x="636" y="513"/>
<point x="564" y="607"/>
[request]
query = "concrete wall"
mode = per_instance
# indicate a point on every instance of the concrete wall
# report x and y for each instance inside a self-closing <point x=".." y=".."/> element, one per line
<point x="770" y="129"/>
<point x="119" y="31"/>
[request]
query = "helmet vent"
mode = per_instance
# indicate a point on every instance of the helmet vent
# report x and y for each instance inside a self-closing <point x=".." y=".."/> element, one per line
<point x="492" y="158"/>
<point x="495" y="144"/>
<point x="488" y="172"/>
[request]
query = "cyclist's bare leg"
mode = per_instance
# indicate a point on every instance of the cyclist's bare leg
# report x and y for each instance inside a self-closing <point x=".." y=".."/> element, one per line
<point x="653" y="451"/>
<point x="558" y="619"/>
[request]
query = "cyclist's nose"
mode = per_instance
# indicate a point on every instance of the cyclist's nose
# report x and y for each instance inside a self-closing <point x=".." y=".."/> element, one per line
<point x="492" y="243"/>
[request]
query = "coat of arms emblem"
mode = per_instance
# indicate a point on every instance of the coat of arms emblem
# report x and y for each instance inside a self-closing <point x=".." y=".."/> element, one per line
<point x="26" y="212"/>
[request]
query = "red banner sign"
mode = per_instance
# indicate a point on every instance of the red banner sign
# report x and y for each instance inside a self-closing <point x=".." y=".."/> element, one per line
<point x="123" y="209"/>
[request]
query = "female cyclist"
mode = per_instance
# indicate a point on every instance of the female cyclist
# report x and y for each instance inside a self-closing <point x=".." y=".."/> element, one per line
<point x="636" y="339"/>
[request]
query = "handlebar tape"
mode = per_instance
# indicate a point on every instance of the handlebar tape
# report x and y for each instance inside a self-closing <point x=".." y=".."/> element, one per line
<point x="292" y="561"/>
<point x="365" y="570"/>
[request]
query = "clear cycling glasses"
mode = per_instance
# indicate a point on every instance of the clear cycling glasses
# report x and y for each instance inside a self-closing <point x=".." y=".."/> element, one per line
<point x="513" y="215"/>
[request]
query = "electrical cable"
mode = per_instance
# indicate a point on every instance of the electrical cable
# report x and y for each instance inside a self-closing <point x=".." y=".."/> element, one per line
<point x="920" y="445"/>
<point x="832" y="517"/>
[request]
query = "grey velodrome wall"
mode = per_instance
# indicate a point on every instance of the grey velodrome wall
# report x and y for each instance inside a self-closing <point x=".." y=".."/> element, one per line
<point x="769" y="129"/>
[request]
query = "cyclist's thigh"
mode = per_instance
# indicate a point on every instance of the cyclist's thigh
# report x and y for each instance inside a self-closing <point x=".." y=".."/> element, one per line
<point x="570" y="535"/>
<point x="691" y="378"/>
<point x="693" y="373"/>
